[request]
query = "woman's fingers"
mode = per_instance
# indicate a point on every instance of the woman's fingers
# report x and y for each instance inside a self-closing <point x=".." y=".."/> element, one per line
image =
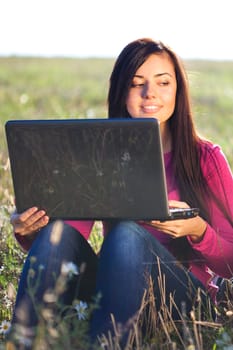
<point x="177" y="204"/>
<point x="29" y="221"/>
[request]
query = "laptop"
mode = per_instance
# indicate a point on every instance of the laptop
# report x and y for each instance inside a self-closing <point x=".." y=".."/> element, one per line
<point x="82" y="169"/>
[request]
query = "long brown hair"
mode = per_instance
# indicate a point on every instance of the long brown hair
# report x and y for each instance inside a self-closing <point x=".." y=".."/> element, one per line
<point x="185" y="139"/>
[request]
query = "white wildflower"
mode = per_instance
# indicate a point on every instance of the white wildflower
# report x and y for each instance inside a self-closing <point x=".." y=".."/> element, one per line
<point x="229" y="313"/>
<point x="81" y="308"/>
<point x="5" y="327"/>
<point x="69" y="268"/>
<point x="23" y="99"/>
<point x="41" y="267"/>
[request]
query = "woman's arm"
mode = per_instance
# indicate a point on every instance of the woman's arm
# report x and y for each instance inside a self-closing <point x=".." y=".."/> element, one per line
<point x="214" y="241"/>
<point x="216" y="245"/>
<point x="28" y="224"/>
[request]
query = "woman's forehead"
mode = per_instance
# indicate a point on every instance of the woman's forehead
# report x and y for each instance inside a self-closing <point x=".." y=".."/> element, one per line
<point x="157" y="64"/>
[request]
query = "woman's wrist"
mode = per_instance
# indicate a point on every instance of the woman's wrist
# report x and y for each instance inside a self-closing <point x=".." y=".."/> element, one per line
<point x="28" y="237"/>
<point x="200" y="232"/>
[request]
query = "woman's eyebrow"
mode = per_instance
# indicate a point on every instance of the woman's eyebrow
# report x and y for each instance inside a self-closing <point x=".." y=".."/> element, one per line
<point x="165" y="73"/>
<point x="156" y="75"/>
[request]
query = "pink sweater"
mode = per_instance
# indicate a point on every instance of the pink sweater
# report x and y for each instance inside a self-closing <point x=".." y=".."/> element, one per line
<point x="214" y="254"/>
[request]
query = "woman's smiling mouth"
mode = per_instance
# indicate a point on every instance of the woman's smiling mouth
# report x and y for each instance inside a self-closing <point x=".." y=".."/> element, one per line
<point x="151" y="108"/>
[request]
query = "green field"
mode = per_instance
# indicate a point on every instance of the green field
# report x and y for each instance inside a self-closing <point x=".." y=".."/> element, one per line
<point x="70" y="88"/>
<point x="32" y="88"/>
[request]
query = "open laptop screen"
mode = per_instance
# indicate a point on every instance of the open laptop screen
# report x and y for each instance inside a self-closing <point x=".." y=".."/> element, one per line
<point x="88" y="169"/>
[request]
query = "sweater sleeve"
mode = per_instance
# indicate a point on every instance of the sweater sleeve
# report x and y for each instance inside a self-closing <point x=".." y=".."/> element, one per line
<point x="24" y="242"/>
<point x="216" y="246"/>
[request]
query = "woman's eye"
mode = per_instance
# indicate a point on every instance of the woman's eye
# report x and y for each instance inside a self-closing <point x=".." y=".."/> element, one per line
<point x="164" y="83"/>
<point x="137" y="84"/>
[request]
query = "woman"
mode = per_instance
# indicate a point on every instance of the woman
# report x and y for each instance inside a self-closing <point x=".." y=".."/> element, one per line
<point x="149" y="81"/>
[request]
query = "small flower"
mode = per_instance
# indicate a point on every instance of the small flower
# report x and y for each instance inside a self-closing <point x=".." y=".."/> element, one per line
<point x="32" y="260"/>
<point x="31" y="273"/>
<point x="23" y="99"/>
<point x="5" y="327"/>
<point x="41" y="267"/>
<point x="80" y="308"/>
<point x="69" y="268"/>
<point x="229" y="313"/>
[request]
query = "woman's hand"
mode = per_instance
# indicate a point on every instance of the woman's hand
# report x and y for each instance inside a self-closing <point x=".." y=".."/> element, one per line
<point x="193" y="227"/>
<point x="29" y="222"/>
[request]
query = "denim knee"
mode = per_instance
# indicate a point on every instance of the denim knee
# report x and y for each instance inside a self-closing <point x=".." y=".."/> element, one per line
<point x="131" y="235"/>
<point x="127" y="230"/>
<point x="56" y="244"/>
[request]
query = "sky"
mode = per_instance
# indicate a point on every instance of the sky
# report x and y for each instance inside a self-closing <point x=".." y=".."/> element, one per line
<point x="101" y="28"/>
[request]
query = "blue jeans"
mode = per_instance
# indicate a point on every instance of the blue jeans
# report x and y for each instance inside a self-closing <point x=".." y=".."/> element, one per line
<point x="128" y="256"/>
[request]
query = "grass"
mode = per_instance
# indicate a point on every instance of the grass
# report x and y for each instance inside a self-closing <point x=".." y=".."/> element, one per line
<point x="75" y="88"/>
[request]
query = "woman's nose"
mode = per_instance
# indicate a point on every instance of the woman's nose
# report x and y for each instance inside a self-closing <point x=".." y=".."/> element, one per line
<point x="149" y="91"/>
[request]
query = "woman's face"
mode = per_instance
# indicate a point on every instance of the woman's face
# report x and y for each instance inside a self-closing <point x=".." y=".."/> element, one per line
<point x="153" y="90"/>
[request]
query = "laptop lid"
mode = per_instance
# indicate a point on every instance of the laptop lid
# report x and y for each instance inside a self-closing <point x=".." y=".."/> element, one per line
<point x="86" y="169"/>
